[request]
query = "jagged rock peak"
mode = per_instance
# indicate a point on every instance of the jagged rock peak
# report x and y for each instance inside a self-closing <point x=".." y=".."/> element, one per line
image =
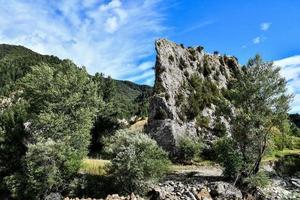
<point x="189" y="83"/>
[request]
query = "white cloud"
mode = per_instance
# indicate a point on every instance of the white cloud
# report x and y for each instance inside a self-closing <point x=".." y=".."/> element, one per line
<point x="196" y="27"/>
<point x="265" y="26"/>
<point x="111" y="5"/>
<point x="290" y="69"/>
<point x="111" y="24"/>
<point x="146" y="65"/>
<point x="256" y="40"/>
<point x="111" y="37"/>
<point x="149" y="74"/>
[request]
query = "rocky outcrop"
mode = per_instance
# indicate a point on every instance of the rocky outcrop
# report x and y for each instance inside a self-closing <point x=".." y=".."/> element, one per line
<point x="173" y="190"/>
<point x="189" y="94"/>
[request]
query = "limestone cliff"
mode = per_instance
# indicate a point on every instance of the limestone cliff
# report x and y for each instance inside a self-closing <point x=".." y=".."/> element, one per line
<point x="189" y="97"/>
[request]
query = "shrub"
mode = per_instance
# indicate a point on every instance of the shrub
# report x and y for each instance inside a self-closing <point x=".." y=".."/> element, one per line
<point x="136" y="160"/>
<point x="199" y="49"/>
<point x="206" y="68"/>
<point x="220" y="128"/>
<point x="189" y="149"/>
<point x="203" y="93"/>
<point x="228" y="156"/>
<point x="295" y="131"/>
<point x="258" y="180"/>
<point x="202" y="121"/>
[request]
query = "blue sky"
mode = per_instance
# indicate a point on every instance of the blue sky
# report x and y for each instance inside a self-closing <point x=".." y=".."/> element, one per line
<point x="117" y="36"/>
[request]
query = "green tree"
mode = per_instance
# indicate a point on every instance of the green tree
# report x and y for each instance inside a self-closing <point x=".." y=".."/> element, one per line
<point x="109" y="89"/>
<point x="261" y="103"/>
<point x="61" y="105"/>
<point x="12" y="135"/>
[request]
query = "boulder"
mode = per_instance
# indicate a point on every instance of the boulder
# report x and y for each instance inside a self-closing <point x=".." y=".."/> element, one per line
<point x="223" y="190"/>
<point x="54" y="196"/>
<point x="203" y="194"/>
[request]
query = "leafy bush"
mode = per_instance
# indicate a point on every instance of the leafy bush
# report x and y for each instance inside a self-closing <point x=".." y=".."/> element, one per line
<point x="189" y="149"/>
<point x="295" y="131"/>
<point x="136" y="160"/>
<point x="228" y="156"/>
<point x="282" y="141"/>
<point x="206" y="68"/>
<point x="203" y="93"/>
<point x="220" y="128"/>
<point x="202" y="121"/>
<point x="258" y="180"/>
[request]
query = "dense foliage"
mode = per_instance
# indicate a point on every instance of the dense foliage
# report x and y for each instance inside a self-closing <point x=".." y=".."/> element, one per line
<point x="261" y="104"/>
<point x="228" y="156"/>
<point x="57" y="133"/>
<point x="50" y="110"/>
<point x="136" y="160"/>
<point x="189" y="149"/>
<point x="122" y="100"/>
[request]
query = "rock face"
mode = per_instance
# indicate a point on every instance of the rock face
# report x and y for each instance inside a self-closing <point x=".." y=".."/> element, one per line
<point x="189" y="94"/>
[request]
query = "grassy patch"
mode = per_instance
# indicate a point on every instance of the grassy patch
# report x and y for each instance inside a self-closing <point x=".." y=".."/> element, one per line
<point x="194" y="166"/>
<point x="94" y="166"/>
<point x="279" y="154"/>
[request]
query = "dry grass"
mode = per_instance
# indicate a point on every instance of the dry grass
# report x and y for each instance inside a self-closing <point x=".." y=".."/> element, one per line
<point x="194" y="166"/>
<point x="94" y="166"/>
<point x="139" y="125"/>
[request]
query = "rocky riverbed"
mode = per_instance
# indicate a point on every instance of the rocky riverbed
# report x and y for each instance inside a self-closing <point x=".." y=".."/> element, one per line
<point x="207" y="183"/>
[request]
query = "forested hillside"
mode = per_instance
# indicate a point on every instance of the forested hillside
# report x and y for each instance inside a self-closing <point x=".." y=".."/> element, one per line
<point x="16" y="61"/>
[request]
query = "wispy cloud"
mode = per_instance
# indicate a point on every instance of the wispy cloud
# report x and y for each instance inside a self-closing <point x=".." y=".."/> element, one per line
<point x="291" y="71"/>
<point x="112" y="37"/>
<point x="265" y="26"/>
<point x="256" y="40"/>
<point x="196" y="27"/>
